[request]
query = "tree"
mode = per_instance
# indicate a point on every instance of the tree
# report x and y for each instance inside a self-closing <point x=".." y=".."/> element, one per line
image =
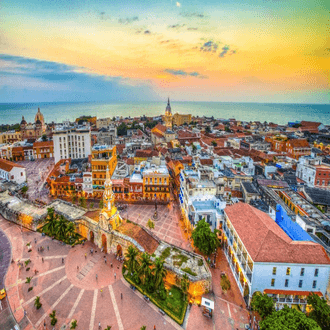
<point x="24" y="189"/>
<point x="320" y="311"/>
<point x="28" y="280"/>
<point x="159" y="272"/>
<point x="44" y="137"/>
<point x="82" y="201"/>
<point x="61" y="227"/>
<point x="74" y="198"/>
<point x="122" y="129"/>
<point x="74" y="324"/>
<point x="37" y="303"/>
<point x="207" y="129"/>
<point x="131" y="260"/>
<point x="108" y="327"/>
<point x="287" y="319"/>
<point x="101" y="204"/>
<point x="204" y="239"/>
<point x="151" y="224"/>
<point x="225" y="283"/>
<point x="263" y="304"/>
<point x="51" y="221"/>
<point x="70" y="229"/>
<point x="185" y="283"/>
<point x="227" y="129"/>
<point x="144" y="269"/>
<point x="143" y="327"/>
<point x="214" y="143"/>
<point x="194" y="149"/>
<point x="53" y="318"/>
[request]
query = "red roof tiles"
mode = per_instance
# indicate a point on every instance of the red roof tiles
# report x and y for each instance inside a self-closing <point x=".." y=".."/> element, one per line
<point x="7" y="165"/>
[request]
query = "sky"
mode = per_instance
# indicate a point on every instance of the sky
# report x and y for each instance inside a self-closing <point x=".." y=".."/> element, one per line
<point x="139" y="50"/>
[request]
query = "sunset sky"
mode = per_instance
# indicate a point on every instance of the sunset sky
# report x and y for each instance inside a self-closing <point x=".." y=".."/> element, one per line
<point x="96" y="50"/>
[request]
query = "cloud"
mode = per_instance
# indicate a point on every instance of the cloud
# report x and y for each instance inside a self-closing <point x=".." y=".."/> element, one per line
<point x="147" y="32"/>
<point x="225" y="50"/>
<point x="128" y="20"/>
<point x="176" y="26"/>
<point x="29" y="80"/>
<point x="192" y="29"/>
<point x="210" y="46"/>
<point x="193" y="15"/>
<point x="102" y="15"/>
<point x="182" y="73"/>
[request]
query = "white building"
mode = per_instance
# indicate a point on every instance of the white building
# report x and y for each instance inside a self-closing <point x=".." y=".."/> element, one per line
<point x="72" y="142"/>
<point x="12" y="172"/>
<point x="87" y="186"/>
<point x="264" y="258"/>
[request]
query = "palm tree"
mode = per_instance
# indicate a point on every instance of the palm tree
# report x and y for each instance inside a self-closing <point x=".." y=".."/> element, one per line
<point x="61" y="226"/>
<point x="185" y="285"/>
<point x="159" y="271"/>
<point x="108" y="327"/>
<point x="145" y="264"/>
<point x="131" y="262"/>
<point x="151" y="224"/>
<point x="70" y="229"/>
<point x="37" y="302"/>
<point x="51" y="221"/>
<point x="143" y="327"/>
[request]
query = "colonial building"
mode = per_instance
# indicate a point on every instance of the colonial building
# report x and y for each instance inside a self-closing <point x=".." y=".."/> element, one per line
<point x="156" y="183"/>
<point x="33" y="130"/>
<point x="168" y="116"/>
<point x="43" y="149"/>
<point x="180" y="119"/>
<point x="12" y="172"/>
<point x="10" y="137"/>
<point x="274" y="257"/>
<point x="103" y="157"/>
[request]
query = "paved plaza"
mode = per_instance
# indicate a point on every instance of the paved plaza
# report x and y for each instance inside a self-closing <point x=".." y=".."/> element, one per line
<point x="65" y="280"/>
<point x="36" y="173"/>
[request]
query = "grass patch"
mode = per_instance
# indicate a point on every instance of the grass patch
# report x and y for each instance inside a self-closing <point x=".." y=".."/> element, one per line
<point x="200" y="262"/>
<point x="179" y="259"/>
<point x="166" y="253"/>
<point x="189" y="271"/>
<point x="174" y="305"/>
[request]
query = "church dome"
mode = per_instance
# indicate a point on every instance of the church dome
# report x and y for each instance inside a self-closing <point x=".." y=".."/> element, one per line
<point x="39" y="116"/>
<point x="38" y="122"/>
<point x="23" y="122"/>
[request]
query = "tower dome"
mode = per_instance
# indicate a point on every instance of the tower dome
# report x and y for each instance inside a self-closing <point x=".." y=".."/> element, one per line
<point x="39" y="116"/>
<point x="23" y="122"/>
<point x="168" y="107"/>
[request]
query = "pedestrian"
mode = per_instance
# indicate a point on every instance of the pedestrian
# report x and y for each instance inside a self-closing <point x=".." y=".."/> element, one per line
<point x="24" y="313"/>
<point x="85" y="255"/>
<point x="62" y="260"/>
<point x="105" y="260"/>
<point x="35" y="241"/>
<point x="92" y="251"/>
<point x="101" y="292"/>
<point x="77" y="268"/>
<point x="48" y="247"/>
<point x="96" y="277"/>
<point x="121" y="296"/>
<point x="42" y="259"/>
<point x="99" y="325"/>
<point x="154" y="327"/>
<point x="38" y="249"/>
<point x="115" y="275"/>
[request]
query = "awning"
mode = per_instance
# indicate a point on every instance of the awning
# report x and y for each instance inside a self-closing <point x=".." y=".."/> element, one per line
<point x="293" y="293"/>
<point x="207" y="303"/>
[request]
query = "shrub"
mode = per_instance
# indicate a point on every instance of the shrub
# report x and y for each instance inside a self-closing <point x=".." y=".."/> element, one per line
<point x="189" y="271"/>
<point x="166" y="253"/>
<point x="31" y="288"/>
<point x="200" y="262"/>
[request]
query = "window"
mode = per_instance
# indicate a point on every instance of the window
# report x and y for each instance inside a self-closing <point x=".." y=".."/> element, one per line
<point x="314" y="284"/>
<point x="302" y="271"/>
<point x="288" y="271"/>
<point x="300" y="283"/>
<point x="272" y="282"/>
<point x="286" y="283"/>
<point x="274" y="270"/>
<point x="316" y="273"/>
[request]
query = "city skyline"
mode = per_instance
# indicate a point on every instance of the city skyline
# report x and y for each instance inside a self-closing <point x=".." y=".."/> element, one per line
<point x="260" y="51"/>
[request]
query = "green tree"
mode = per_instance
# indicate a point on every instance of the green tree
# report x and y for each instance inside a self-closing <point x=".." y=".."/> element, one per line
<point x="61" y="227"/>
<point x="70" y="229"/>
<point x="44" y="137"/>
<point x="207" y="129"/>
<point x="204" y="239"/>
<point x="130" y="259"/>
<point x="108" y="327"/>
<point x="185" y="283"/>
<point x="143" y="327"/>
<point x="122" y="129"/>
<point x="101" y="204"/>
<point x="37" y="303"/>
<point x="227" y="129"/>
<point x="320" y="311"/>
<point x="74" y="324"/>
<point x="144" y="269"/>
<point x="288" y="319"/>
<point x="263" y="304"/>
<point x="53" y="318"/>
<point x="151" y="224"/>
<point x="225" y="283"/>
<point x="51" y="221"/>
<point x="194" y="148"/>
<point x="82" y="201"/>
<point x="25" y="189"/>
<point x="214" y="144"/>
<point x="28" y="280"/>
<point x="159" y="272"/>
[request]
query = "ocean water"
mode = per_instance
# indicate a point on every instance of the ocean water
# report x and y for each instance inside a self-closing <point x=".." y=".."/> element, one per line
<point x="12" y="113"/>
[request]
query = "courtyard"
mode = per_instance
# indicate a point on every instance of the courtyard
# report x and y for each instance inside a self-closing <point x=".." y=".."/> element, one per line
<point x="65" y="280"/>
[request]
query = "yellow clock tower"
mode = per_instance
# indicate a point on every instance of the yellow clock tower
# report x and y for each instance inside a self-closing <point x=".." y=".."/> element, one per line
<point x="168" y="115"/>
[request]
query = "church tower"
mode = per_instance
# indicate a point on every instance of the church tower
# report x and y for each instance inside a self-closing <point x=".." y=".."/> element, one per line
<point x="168" y="115"/>
<point x="108" y="196"/>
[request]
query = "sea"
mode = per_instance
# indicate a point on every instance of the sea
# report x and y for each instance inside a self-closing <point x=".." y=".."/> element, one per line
<point x="11" y="113"/>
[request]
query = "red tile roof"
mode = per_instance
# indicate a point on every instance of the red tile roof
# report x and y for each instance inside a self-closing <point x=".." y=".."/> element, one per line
<point x="298" y="143"/>
<point x="159" y="127"/>
<point x="206" y="161"/>
<point x="265" y="241"/>
<point x="7" y="165"/>
<point x="159" y="135"/>
<point x="293" y="293"/>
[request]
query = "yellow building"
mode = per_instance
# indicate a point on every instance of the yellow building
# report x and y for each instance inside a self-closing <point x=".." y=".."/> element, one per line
<point x="179" y="120"/>
<point x="102" y="157"/>
<point x="10" y="137"/>
<point x="156" y="184"/>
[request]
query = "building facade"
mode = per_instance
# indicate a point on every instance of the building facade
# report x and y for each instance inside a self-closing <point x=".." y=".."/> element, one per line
<point x="74" y="143"/>
<point x="11" y="171"/>
<point x="156" y="183"/>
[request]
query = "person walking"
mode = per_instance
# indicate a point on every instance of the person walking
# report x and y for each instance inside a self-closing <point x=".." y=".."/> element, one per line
<point x="77" y="268"/>
<point x="35" y="241"/>
<point x="99" y="325"/>
<point x="85" y="255"/>
<point x="96" y="277"/>
<point x="62" y="260"/>
<point x="42" y="259"/>
<point x="105" y="260"/>
<point x="121" y="296"/>
<point x="48" y="247"/>
<point x="115" y="275"/>
<point x="111" y="265"/>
